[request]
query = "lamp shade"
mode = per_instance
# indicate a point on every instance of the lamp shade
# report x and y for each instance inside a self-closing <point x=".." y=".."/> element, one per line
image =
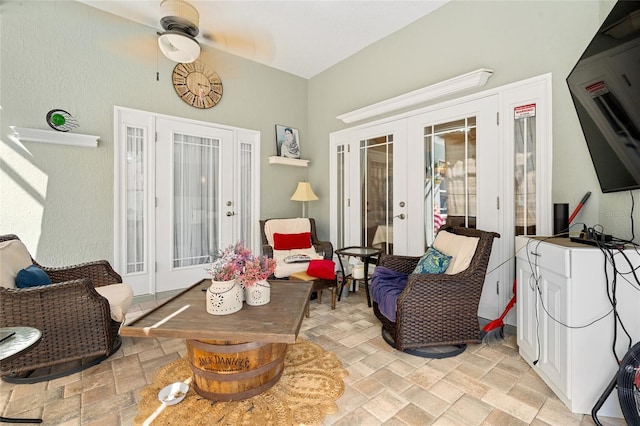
<point x="179" y="47"/>
<point x="304" y="193"/>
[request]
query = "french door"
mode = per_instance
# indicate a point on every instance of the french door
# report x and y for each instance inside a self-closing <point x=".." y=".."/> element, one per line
<point x="401" y="180"/>
<point x="184" y="189"/>
<point x="482" y="161"/>
<point x="459" y="169"/>
<point x="377" y="192"/>
<point x="194" y="167"/>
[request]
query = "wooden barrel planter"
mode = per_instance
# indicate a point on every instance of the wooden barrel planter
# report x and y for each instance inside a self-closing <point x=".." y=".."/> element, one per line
<point x="231" y="371"/>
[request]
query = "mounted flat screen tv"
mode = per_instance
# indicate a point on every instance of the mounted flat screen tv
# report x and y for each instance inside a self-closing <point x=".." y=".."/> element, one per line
<point x="605" y="87"/>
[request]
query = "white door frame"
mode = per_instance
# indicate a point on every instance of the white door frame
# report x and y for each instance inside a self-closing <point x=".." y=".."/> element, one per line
<point x="144" y="282"/>
<point x="533" y="90"/>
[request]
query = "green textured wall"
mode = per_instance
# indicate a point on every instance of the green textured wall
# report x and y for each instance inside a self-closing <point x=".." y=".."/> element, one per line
<point x="64" y="54"/>
<point x="518" y="40"/>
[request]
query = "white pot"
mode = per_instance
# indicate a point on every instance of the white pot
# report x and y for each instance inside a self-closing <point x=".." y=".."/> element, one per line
<point x="224" y="297"/>
<point x="258" y="294"/>
<point x="358" y="272"/>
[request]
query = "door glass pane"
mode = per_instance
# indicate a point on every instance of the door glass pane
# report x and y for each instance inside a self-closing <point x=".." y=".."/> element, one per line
<point x="341" y="158"/>
<point x="376" y="181"/>
<point x="195" y="196"/>
<point x="525" y="175"/>
<point x="135" y="199"/>
<point x="450" y="175"/>
<point x="246" y="193"/>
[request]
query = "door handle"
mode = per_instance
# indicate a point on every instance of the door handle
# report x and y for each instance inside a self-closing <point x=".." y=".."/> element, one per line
<point x="231" y="213"/>
<point x="400" y="216"/>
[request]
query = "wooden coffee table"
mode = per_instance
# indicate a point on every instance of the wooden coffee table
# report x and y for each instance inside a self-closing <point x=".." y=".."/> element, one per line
<point x="233" y="356"/>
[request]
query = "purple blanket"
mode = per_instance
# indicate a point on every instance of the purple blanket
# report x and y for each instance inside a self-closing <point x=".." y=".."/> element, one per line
<point x="386" y="285"/>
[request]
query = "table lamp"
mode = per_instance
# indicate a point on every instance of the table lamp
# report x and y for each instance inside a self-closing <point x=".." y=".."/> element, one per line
<point x="304" y="193"/>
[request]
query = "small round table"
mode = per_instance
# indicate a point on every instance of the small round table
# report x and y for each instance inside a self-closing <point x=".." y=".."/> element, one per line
<point x="364" y="253"/>
<point x="14" y="341"/>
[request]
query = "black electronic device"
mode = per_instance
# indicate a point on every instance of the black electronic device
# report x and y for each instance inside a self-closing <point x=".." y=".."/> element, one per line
<point x="592" y="242"/>
<point x="604" y="86"/>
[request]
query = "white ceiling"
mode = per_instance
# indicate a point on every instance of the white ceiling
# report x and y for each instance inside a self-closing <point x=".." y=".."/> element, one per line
<point x="302" y="37"/>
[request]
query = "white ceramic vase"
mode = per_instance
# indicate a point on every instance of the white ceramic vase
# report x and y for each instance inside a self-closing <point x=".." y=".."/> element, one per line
<point x="224" y="297"/>
<point x="258" y="294"/>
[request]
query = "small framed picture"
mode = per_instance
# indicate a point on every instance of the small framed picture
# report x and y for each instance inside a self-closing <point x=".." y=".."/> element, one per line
<point x="287" y="141"/>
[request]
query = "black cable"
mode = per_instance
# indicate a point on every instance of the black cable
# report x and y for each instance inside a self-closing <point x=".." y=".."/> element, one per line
<point x="611" y="294"/>
<point x="537" y="330"/>
<point x="632" y="271"/>
<point x="538" y="290"/>
<point x="614" y="302"/>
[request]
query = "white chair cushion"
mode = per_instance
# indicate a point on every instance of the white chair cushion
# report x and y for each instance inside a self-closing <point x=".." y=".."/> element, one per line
<point x="284" y="269"/>
<point x="120" y="297"/>
<point x="14" y="257"/>
<point x="296" y="225"/>
<point x="460" y="247"/>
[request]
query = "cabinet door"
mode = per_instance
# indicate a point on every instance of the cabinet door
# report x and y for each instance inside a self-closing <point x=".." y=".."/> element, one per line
<point x="526" y="308"/>
<point x="553" y="335"/>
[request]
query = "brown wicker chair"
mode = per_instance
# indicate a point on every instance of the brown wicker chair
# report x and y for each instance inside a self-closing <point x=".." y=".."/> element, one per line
<point x="320" y="246"/>
<point x="75" y="321"/>
<point x="325" y="247"/>
<point x="437" y="314"/>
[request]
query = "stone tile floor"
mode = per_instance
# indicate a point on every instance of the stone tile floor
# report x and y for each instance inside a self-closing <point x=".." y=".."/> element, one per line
<point x="488" y="384"/>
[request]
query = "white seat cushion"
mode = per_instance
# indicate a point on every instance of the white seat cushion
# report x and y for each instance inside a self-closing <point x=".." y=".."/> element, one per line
<point x="460" y="247"/>
<point x="14" y="257"/>
<point x="119" y="296"/>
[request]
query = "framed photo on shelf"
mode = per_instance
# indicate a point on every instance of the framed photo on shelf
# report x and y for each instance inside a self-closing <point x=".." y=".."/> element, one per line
<point x="287" y="141"/>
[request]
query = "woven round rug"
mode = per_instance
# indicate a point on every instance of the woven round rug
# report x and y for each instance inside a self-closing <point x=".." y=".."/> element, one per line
<point x="306" y="392"/>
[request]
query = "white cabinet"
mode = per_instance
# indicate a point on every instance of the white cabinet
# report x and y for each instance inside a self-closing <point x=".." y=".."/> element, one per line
<point x="562" y="291"/>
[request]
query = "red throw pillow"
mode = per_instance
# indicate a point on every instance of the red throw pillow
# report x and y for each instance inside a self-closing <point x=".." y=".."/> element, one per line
<point x="291" y="241"/>
<point x="322" y="268"/>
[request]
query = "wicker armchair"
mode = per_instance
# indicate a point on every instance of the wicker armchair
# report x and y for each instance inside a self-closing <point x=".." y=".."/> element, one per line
<point x="437" y="310"/>
<point x="75" y="321"/>
<point x="324" y="247"/>
<point x="320" y="246"/>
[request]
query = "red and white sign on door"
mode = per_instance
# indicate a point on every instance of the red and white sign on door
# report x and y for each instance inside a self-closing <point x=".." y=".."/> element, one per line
<point x="524" y="111"/>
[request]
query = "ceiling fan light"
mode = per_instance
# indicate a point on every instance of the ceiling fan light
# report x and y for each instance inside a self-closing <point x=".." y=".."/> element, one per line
<point x="179" y="47"/>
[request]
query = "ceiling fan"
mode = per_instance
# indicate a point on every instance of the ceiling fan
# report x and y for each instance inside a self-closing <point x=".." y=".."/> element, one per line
<point x="180" y="21"/>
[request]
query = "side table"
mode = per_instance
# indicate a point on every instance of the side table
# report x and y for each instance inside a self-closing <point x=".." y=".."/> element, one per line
<point x="15" y="341"/>
<point x="365" y="254"/>
<point x="318" y="285"/>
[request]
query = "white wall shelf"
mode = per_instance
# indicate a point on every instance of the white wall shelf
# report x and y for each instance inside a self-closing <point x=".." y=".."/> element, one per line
<point x="51" y="136"/>
<point x="288" y="161"/>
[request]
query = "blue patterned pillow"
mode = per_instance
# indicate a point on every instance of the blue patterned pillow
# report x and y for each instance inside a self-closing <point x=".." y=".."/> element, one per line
<point x="432" y="262"/>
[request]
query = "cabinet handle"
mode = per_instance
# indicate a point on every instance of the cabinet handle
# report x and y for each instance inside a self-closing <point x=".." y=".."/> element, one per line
<point x="535" y="253"/>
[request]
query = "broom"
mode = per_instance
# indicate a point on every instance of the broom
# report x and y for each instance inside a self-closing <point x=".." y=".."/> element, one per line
<point x="498" y="324"/>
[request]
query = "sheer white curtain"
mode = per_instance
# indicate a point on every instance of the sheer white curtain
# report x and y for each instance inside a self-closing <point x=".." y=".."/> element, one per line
<point x="135" y="199"/>
<point x="195" y="198"/>
<point x="525" y="175"/>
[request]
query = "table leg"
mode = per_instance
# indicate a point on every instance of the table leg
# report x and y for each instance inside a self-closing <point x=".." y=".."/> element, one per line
<point x="344" y="279"/>
<point x="366" y="279"/>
